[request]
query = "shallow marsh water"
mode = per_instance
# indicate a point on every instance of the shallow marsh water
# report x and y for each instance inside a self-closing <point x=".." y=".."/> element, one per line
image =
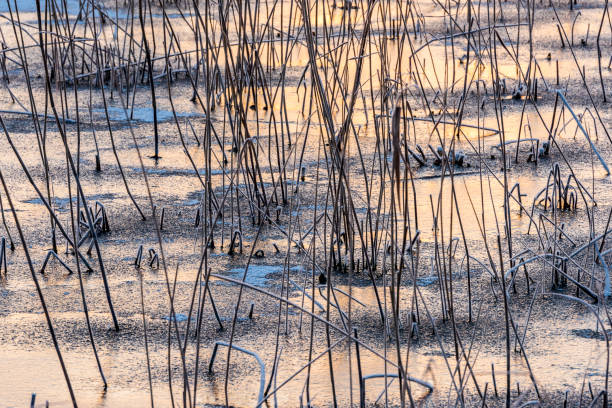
<point x="564" y="344"/>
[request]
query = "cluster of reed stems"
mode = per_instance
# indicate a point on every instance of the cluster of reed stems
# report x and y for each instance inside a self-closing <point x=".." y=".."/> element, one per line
<point x="348" y="159"/>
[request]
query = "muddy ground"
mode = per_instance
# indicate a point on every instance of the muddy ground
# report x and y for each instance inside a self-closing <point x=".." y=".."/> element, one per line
<point x="564" y="347"/>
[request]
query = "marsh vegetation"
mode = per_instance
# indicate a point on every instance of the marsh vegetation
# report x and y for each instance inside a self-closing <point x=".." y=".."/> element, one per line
<point x="305" y="203"/>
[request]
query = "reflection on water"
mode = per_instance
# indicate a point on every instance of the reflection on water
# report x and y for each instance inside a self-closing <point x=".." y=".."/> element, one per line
<point x="25" y="372"/>
<point x="562" y="352"/>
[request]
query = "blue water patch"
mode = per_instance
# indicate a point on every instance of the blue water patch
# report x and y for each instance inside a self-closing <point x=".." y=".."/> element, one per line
<point x="145" y="114"/>
<point x="62" y="203"/>
<point x="179" y="317"/>
<point x="257" y="275"/>
<point x="426" y="280"/>
<point x="29" y="6"/>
